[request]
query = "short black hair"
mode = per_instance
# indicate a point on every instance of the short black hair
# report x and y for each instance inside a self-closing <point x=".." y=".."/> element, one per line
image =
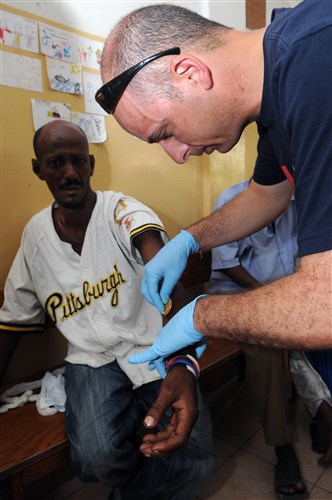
<point x="35" y="140"/>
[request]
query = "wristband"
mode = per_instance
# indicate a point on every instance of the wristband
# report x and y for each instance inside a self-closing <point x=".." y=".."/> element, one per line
<point x="193" y="367"/>
<point x="195" y="363"/>
<point x="192" y="370"/>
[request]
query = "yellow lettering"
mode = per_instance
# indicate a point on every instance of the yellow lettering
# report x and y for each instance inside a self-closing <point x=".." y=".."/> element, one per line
<point x="75" y="304"/>
<point x="53" y="302"/>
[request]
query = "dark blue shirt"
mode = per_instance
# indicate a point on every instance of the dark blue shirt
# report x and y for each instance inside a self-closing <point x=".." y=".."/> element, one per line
<point x="295" y="121"/>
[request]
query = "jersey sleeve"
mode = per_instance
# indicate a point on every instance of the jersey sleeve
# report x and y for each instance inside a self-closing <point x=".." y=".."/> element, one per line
<point x="22" y="311"/>
<point x="132" y="218"/>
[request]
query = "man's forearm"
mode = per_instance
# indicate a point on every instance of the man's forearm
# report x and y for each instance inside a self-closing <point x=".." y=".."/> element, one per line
<point x="293" y="312"/>
<point x="253" y="209"/>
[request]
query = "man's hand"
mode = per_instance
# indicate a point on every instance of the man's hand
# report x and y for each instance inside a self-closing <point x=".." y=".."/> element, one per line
<point x="178" y="333"/>
<point x="177" y="391"/>
<point x="163" y="271"/>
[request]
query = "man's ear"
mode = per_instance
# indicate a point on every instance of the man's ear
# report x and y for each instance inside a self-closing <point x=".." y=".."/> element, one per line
<point x="190" y="69"/>
<point x="36" y="168"/>
<point x="92" y="164"/>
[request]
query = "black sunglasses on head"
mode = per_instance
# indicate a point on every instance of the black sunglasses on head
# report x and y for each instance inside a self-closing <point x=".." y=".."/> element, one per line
<point x="109" y="94"/>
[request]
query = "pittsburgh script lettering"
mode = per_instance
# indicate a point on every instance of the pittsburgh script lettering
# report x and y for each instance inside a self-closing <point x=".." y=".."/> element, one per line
<point x="62" y="307"/>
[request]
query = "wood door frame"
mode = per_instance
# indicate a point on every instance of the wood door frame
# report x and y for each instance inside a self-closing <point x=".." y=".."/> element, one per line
<point x="255" y="14"/>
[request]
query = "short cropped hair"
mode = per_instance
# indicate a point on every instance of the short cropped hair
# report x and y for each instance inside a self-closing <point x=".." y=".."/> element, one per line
<point x="154" y="28"/>
<point x="36" y="137"/>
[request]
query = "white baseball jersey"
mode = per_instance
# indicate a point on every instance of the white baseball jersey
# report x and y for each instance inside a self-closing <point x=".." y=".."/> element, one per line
<point x="94" y="298"/>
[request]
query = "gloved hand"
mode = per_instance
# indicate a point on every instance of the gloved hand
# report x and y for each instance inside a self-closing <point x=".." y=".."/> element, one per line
<point x="159" y="363"/>
<point x="178" y="333"/>
<point x="166" y="268"/>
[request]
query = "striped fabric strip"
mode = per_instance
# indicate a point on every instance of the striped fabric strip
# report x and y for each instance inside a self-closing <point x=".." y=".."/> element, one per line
<point x="145" y="227"/>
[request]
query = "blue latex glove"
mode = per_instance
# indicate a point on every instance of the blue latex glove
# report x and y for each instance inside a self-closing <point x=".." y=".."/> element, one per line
<point x="159" y="363"/>
<point x="166" y="268"/>
<point x="178" y="333"/>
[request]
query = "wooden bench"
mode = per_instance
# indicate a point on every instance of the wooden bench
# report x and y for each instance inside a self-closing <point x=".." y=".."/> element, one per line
<point x="32" y="446"/>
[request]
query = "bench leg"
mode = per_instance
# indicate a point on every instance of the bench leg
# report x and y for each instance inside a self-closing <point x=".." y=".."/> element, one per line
<point x="17" y="486"/>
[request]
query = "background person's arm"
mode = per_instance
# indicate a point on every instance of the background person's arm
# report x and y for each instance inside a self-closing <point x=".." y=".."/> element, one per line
<point x="240" y="276"/>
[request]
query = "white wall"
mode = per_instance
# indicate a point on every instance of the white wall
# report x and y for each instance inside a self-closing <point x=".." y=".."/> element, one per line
<point x="275" y="4"/>
<point x="231" y="13"/>
<point x="98" y="17"/>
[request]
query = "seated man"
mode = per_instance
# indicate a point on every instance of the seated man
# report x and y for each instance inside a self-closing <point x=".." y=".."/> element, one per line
<point x="264" y="256"/>
<point x="312" y="375"/>
<point x="81" y="261"/>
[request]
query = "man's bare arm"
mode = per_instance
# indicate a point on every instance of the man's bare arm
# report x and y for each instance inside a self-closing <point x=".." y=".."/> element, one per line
<point x="293" y="312"/>
<point x="250" y="211"/>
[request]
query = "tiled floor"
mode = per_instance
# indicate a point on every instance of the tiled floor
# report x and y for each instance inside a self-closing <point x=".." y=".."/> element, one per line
<point x="245" y="466"/>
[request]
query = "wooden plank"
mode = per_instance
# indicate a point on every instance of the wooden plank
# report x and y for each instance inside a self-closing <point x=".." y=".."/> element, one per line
<point x="255" y="14"/>
<point x="218" y="350"/>
<point x="49" y="464"/>
<point x="28" y="438"/>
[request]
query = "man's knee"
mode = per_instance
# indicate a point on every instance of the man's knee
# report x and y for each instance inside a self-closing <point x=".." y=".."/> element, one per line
<point x="110" y="465"/>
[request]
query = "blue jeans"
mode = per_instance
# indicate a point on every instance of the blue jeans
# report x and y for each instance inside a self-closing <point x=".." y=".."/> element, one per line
<point x="103" y="418"/>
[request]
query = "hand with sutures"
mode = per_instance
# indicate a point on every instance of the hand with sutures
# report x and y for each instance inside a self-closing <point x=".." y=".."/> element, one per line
<point x="178" y="392"/>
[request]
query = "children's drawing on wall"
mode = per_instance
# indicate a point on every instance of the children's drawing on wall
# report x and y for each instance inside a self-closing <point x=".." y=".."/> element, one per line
<point x="89" y="52"/>
<point x="18" y="32"/>
<point x="4" y="29"/>
<point x="64" y="77"/>
<point x="91" y="83"/>
<point x="57" y="43"/>
<point x="93" y="126"/>
<point x="21" y="72"/>
<point x="46" y="111"/>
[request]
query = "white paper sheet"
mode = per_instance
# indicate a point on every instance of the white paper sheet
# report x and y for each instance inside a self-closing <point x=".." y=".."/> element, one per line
<point x="92" y="125"/>
<point x="19" y="32"/>
<point x="57" y="43"/>
<point x="89" y="52"/>
<point x="64" y="77"/>
<point x="21" y="72"/>
<point x="91" y="83"/>
<point x="46" y="111"/>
